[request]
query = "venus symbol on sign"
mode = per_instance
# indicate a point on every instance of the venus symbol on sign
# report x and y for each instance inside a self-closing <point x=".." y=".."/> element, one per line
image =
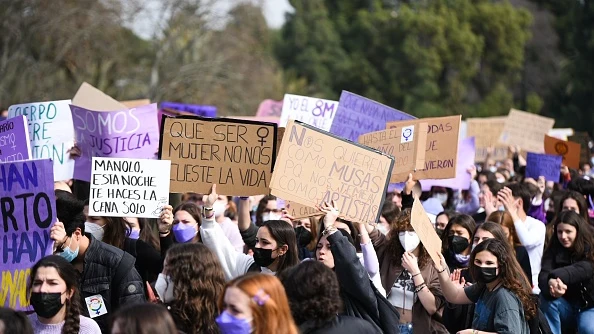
<point x="262" y="140"/>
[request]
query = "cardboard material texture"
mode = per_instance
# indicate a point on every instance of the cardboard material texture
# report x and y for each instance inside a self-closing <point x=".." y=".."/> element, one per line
<point x="135" y="103"/>
<point x="425" y="230"/>
<point x="314" y="166"/>
<point x="465" y="161"/>
<point x="486" y="132"/>
<point x="546" y="165"/>
<point x="441" y="152"/>
<point x="237" y="156"/>
<point x="569" y="150"/>
<point x="357" y="115"/>
<point x="91" y="98"/>
<point x="583" y="139"/>
<point x="299" y="211"/>
<point x="526" y="130"/>
<point x="51" y="132"/>
<point x="129" y="187"/>
<point x="309" y="110"/>
<point x="409" y="155"/>
<point x="15" y="144"/>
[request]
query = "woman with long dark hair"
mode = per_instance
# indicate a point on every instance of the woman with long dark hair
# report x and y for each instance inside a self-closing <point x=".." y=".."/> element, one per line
<point x="566" y="277"/>
<point x="190" y="286"/>
<point x="501" y="292"/>
<point x="143" y="319"/>
<point x="55" y="297"/>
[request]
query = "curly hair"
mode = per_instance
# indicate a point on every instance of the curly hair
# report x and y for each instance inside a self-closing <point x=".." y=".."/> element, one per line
<point x="198" y="282"/>
<point x="273" y="314"/>
<point x="511" y="274"/>
<point x="67" y="272"/>
<point x="318" y="299"/>
<point x="395" y="249"/>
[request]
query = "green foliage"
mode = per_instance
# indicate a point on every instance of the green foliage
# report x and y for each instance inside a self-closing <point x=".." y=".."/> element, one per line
<point x="428" y="58"/>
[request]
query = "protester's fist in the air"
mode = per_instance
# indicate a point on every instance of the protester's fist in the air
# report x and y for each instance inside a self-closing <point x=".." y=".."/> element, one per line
<point x="166" y="219"/>
<point x="58" y="233"/>
<point x="211" y="198"/>
<point x="472" y="171"/>
<point x="74" y="152"/>
<point x="331" y="213"/>
<point x="410" y="183"/>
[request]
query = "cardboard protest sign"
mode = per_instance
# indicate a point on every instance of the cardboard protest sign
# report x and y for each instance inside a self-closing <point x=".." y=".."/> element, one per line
<point x="486" y="132"/>
<point x="406" y="144"/>
<point x="546" y="165"/>
<point x="425" y="230"/>
<point x="526" y="130"/>
<point x="465" y="161"/>
<point x="299" y="211"/>
<point x="170" y="113"/>
<point x="129" y="187"/>
<point x="584" y="140"/>
<point x="314" y="166"/>
<point x="91" y="98"/>
<point x="315" y="112"/>
<point x="15" y="144"/>
<point x="51" y="133"/>
<point x="29" y="210"/>
<point x="128" y="133"/>
<point x="270" y="108"/>
<point x="237" y="156"/>
<point x="570" y="151"/>
<point x="135" y="103"/>
<point x="357" y="115"/>
<point x="441" y="152"/>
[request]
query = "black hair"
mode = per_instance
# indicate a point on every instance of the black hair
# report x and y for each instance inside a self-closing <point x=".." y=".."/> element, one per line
<point x="520" y="190"/>
<point x="582" y="248"/>
<point x="284" y="234"/>
<point x="69" y="211"/>
<point x="12" y="321"/>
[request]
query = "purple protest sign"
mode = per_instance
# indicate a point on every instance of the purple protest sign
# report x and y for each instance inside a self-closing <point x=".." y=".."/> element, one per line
<point x="546" y="165"/>
<point x="357" y="115"/>
<point x="130" y="133"/>
<point x="466" y="152"/>
<point x="14" y="140"/>
<point x="28" y="210"/>
<point x="196" y="109"/>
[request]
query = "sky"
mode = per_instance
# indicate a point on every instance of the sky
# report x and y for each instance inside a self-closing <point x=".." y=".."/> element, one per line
<point x="144" y="24"/>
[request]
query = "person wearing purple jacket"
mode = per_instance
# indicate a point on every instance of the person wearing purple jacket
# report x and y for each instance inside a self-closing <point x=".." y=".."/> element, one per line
<point x="537" y="206"/>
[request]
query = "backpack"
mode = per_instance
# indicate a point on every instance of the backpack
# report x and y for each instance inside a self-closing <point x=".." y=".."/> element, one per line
<point x="539" y="324"/>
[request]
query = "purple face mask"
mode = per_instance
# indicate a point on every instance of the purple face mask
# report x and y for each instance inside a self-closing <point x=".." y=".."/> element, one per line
<point x="133" y="234"/>
<point x="184" y="232"/>
<point x="229" y="324"/>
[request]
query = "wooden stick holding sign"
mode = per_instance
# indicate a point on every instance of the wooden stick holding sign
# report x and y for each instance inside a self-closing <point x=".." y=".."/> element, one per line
<point x="425" y="230"/>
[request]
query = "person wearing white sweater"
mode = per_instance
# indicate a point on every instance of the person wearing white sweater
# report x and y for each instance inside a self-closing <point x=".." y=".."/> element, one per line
<point x="531" y="232"/>
<point x="275" y="251"/>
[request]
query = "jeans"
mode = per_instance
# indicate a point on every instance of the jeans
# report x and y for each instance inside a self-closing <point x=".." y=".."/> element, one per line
<point x="406" y="328"/>
<point x="561" y="314"/>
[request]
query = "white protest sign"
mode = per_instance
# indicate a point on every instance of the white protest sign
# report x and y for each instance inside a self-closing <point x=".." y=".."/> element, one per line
<point x="122" y="187"/>
<point x="309" y="110"/>
<point x="51" y="133"/>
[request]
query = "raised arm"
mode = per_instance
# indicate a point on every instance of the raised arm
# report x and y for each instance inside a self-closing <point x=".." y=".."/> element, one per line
<point x="369" y="254"/>
<point x="244" y="220"/>
<point x="453" y="293"/>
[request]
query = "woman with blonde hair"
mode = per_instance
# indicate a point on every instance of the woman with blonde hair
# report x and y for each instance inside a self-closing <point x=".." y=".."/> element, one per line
<point x="255" y="303"/>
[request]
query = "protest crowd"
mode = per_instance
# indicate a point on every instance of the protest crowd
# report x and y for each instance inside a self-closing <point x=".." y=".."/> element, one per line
<point x="339" y="217"/>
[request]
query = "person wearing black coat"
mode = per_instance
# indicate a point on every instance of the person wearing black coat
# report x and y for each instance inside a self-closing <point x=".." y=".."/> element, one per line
<point x="566" y="278"/>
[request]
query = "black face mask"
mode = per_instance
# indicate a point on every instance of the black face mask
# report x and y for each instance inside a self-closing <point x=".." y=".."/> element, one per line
<point x="46" y="305"/>
<point x="263" y="257"/>
<point x="303" y="236"/>
<point x="457" y="243"/>
<point x="439" y="232"/>
<point x="486" y="274"/>
<point x="550" y="216"/>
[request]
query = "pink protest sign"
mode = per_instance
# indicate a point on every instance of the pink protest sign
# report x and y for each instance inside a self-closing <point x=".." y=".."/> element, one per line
<point x="270" y="108"/>
<point x="130" y="133"/>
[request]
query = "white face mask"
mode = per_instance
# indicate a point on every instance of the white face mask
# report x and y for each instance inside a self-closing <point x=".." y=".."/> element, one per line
<point x="493" y="169"/>
<point x="441" y="197"/>
<point x="164" y="288"/>
<point x="218" y="208"/>
<point x="266" y="216"/>
<point x="382" y="228"/>
<point x="95" y="229"/>
<point x="409" y="240"/>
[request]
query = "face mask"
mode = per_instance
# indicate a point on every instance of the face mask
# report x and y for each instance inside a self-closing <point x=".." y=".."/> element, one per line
<point x="95" y="230"/>
<point x="493" y="169"/>
<point x="409" y="240"/>
<point x="218" y="208"/>
<point x="68" y="254"/>
<point x="501" y="208"/>
<point x="230" y="324"/>
<point x="133" y="234"/>
<point x="263" y="257"/>
<point x="486" y="274"/>
<point x="550" y="216"/>
<point x="439" y="232"/>
<point x="266" y="216"/>
<point x="462" y="259"/>
<point x="441" y="197"/>
<point x="303" y="236"/>
<point x="164" y="288"/>
<point x="46" y="305"/>
<point x="500" y="180"/>
<point x="457" y="243"/>
<point x="382" y="228"/>
<point x="184" y="232"/>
